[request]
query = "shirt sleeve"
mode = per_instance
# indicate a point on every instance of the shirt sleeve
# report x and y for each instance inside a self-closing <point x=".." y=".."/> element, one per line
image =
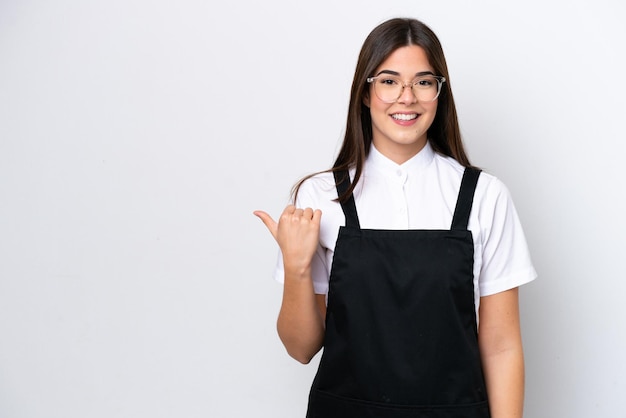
<point x="506" y="261"/>
<point x="308" y="197"/>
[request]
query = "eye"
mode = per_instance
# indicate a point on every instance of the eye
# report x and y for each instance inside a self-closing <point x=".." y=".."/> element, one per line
<point x="425" y="82"/>
<point x="388" y="81"/>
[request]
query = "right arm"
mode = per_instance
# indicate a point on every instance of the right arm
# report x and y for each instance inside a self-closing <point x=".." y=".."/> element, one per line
<point x="302" y="313"/>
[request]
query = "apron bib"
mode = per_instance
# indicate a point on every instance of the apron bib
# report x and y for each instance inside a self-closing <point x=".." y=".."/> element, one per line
<point x="401" y="334"/>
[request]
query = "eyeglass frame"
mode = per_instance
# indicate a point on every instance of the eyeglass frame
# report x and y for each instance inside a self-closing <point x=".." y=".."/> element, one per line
<point x="440" y="80"/>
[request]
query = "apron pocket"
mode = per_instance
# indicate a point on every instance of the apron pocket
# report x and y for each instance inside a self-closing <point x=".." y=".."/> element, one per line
<point x="327" y="405"/>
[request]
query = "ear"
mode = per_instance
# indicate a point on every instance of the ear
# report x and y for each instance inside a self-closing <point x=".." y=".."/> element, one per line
<point x="366" y="99"/>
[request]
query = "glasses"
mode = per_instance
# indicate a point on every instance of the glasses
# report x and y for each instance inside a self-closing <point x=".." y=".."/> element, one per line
<point x="388" y="88"/>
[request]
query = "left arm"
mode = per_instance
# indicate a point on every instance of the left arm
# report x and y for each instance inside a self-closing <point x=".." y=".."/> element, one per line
<point x="500" y="343"/>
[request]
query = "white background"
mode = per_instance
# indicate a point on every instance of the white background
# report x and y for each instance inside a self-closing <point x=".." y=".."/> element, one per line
<point x="137" y="137"/>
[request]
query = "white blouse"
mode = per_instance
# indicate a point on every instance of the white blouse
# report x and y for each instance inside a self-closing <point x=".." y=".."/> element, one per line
<point x="421" y="194"/>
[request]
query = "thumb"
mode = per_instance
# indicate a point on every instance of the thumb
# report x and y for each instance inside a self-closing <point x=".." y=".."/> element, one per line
<point x="270" y="223"/>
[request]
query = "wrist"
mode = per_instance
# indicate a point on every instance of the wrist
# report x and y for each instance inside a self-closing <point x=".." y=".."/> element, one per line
<point x="297" y="272"/>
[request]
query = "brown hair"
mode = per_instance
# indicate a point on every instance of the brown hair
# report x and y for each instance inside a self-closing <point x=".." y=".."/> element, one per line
<point x="444" y="134"/>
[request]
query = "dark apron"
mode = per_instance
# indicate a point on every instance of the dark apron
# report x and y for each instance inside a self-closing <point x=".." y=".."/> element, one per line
<point x="401" y="334"/>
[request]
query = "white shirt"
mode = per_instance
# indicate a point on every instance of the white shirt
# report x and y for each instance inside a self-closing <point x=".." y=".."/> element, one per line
<point x="421" y="194"/>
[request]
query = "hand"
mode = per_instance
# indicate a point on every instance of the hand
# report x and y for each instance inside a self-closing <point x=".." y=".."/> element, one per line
<point x="297" y="235"/>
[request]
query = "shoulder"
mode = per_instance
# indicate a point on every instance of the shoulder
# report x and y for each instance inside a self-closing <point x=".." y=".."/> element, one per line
<point x="491" y="193"/>
<point x="489" y="186"/>
<point x="316" y="190"/>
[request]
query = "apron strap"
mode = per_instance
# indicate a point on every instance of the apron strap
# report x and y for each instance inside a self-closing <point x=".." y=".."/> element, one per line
<point x="342" y="180"/>
<point x="465" y="199"/>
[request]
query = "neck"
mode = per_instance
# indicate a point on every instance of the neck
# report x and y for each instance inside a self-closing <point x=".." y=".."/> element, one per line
<point x="400" y="153"/>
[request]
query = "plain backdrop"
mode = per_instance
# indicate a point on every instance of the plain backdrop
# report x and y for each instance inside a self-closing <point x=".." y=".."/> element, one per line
<point x="137" y="137"/>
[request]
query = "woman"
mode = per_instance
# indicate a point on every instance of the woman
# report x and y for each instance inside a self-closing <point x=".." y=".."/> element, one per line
<point x="409" y="280"/>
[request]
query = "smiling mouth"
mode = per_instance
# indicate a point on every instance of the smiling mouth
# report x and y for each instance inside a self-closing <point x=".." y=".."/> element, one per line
<point x="403" y="116"/>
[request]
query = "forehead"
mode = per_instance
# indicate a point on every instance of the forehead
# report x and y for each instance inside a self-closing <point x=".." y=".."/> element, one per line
<point x="406" y="60"/>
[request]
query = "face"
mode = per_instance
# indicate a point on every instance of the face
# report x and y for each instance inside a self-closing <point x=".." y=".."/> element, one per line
<point x="399" y="129"/>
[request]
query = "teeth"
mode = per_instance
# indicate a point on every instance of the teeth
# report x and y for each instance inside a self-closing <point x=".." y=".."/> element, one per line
<point x="402" y="116"/>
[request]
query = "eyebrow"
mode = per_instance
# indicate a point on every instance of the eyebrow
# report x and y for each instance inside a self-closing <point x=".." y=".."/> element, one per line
<point x="421" y="73"/>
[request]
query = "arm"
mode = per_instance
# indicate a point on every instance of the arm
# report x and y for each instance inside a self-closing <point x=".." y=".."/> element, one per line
<point x="301" y="318"/>
<point x="500" y="342"/>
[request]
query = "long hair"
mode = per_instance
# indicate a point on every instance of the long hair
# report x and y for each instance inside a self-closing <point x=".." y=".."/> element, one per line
<point x="444" y="134"/>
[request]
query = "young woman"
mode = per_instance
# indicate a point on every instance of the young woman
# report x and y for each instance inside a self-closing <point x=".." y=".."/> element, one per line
<point x="409" y="278"/>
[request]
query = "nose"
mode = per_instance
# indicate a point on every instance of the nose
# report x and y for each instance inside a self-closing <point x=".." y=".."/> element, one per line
<point x="407" y="96"/>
